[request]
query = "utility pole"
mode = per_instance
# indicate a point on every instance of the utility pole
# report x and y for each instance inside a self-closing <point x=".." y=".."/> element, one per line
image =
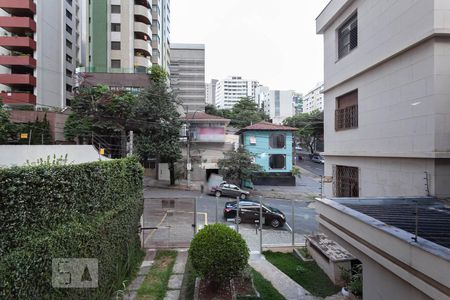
<point x="188" y="159"/>
<point x="131" y="143"/>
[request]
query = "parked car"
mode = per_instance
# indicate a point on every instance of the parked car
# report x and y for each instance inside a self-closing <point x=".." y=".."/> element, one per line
<point x="318" y="159"/>
<point x="230" y="190"/>
<point x="249" y="213"/>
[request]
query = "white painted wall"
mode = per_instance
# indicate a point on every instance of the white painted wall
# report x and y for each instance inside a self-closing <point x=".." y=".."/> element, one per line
<point x="18" y="155"/>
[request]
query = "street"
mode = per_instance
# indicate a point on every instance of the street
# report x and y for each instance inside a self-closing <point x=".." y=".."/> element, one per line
<point x="315" y="168"/>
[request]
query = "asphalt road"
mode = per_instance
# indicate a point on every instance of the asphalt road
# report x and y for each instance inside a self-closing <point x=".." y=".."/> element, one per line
<point x="317" y="169"/>
<point x="304" y="218"/>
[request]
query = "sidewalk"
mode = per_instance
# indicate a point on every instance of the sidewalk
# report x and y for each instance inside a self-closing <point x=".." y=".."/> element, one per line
<point x="284" y="284"/>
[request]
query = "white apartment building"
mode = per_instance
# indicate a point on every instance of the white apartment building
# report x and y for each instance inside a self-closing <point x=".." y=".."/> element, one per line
<point x="211" y="92"/>
<point x="39" y="51"/>
<point x="278" y="105"/>
<point x="126" y="36"/>
<point x="313" y="100"/>
<point x="187" y="75"/>
<point x="232" y="89"/>
<point x="387" y="91"/>
<point x="161" y="33"/>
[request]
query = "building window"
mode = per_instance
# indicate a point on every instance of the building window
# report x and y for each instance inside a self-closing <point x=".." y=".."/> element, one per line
<point x="69" y="73"/>
<point x="277" y="141"/>
<point x="348" y="36"/>
<point x="69" y="88"/>
<point x="277" y="161"/>
<point x="115" y="63"/>
<point x="68" y="58"/>
<point x="68" y="102"/>
<point x="69" y="2"/>
<point x="115" y="9"/>
<point x="346" y="183"/>
<point x="68" y="29"/>
<point x="115" y="27"/>
<point x="252" y="140"/>
<point x="346" y="113"/>
<point x="68" y="44"/>
<point x="115" y="45"/>
<point x="68" y="14"/>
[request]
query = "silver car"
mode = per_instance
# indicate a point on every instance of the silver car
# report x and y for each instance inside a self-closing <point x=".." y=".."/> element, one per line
<point x="230" y="190"/>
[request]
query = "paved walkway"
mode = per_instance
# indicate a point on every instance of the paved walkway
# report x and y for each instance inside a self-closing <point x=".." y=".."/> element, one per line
<point x="176" y="279"/>
<point x="287" y="287"/>
<point x="143" y="271"/>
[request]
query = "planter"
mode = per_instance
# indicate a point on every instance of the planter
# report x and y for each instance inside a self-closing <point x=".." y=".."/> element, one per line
<point x="239" y="287"/>
<point x="299" y="255"/>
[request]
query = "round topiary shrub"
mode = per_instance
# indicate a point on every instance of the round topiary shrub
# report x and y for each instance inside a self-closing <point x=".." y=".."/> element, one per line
<point x="218" y="253"/>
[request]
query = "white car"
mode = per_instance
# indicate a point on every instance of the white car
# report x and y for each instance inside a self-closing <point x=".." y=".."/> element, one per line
<point x="318" y="159"/>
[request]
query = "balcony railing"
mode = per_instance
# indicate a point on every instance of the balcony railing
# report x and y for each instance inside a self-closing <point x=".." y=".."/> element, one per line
<point x="18" y="98"/>
<point x="346" y="118"/>
<point x="18" y="7"/>
<point x="21" y="60"/>
<point x="23" y="44"/>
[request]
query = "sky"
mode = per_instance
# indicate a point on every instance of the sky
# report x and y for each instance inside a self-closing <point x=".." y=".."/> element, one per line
<point x="274" y="42"/>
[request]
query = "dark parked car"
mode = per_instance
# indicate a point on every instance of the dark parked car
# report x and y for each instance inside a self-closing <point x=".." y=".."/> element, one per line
<point x="249" y="213"/>
<point x="230" y="190"/>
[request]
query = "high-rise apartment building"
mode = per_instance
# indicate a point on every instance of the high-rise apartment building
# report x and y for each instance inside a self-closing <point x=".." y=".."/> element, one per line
<point x="313" y="100"/>
<point x="229" y="91"/>
<point x="187" y="75"/>
<point x="211" y="92"/>
<point x="278" y="105"/>
<point x="126" y="36"/>
<point x="161" y="33"/>
<point x="39" y="51"/>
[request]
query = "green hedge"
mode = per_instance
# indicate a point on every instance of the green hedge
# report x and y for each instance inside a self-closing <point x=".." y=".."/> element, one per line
<point x="99" y="222"/>
<point x="42" y="197"/>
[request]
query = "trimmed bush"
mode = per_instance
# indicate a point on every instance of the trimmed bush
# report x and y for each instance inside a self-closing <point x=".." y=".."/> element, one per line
<point x="218" y="253"/>
<point x="38" y="198"/>
<point x="99" y="222"/>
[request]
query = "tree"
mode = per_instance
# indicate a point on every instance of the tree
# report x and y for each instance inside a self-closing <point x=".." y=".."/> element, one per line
<point x="238" y="165"/>
<point x="246" y="112"/>
<point x="103" y="112"/>
<point x="310" y="128"/>
<point x="4" y="124"/>
<point x="158" y="123"/>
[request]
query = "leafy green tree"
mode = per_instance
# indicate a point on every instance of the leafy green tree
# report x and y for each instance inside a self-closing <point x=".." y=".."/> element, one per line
<point x="103" y="112"/>
<point x="158" y="123"/>
<point x="238" y="165"/>
<point x="246" y="112"/>
<point x="310" y="128"/>
<point x="4" y="124"/>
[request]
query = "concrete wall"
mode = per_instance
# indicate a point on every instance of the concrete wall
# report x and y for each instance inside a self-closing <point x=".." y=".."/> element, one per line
<point x="18" y="155"/>
<point x="56" y="121"/>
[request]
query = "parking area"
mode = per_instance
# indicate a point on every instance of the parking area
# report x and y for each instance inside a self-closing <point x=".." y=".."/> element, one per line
<point x="169" y="222"/>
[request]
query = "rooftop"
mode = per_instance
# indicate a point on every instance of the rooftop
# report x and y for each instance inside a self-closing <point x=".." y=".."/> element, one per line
<point x="266" y="126"/>
<point x="400" y="213"/>
<point x="331" y="249"/>
<point x="202" y="116"/>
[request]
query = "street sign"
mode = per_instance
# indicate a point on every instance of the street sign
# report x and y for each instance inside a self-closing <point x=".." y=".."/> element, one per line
<point x="24" y="135"/>
<point x="102" y="151"/>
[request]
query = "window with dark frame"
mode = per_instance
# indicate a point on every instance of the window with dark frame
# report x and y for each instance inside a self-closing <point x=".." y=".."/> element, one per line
<point x="277" y="161"/>
<point x="115" y="45"/>
<point x="68" y="44"/>
<point x="115" y="63"/>
<point x="348" y="36"/>
<point x="277" y="141"/>
<point x="68" y="58"/>
<point x="115" y="27"/>
<point x="68" y="14"/>
<point x="68" y="29"/>
<point x="115" y="9"/>
<point x="346" y="182"/>
<point x="346" y="113"/>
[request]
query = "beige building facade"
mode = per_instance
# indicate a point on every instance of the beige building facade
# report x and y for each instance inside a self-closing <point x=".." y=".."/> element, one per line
<point x="386" y="94"/>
